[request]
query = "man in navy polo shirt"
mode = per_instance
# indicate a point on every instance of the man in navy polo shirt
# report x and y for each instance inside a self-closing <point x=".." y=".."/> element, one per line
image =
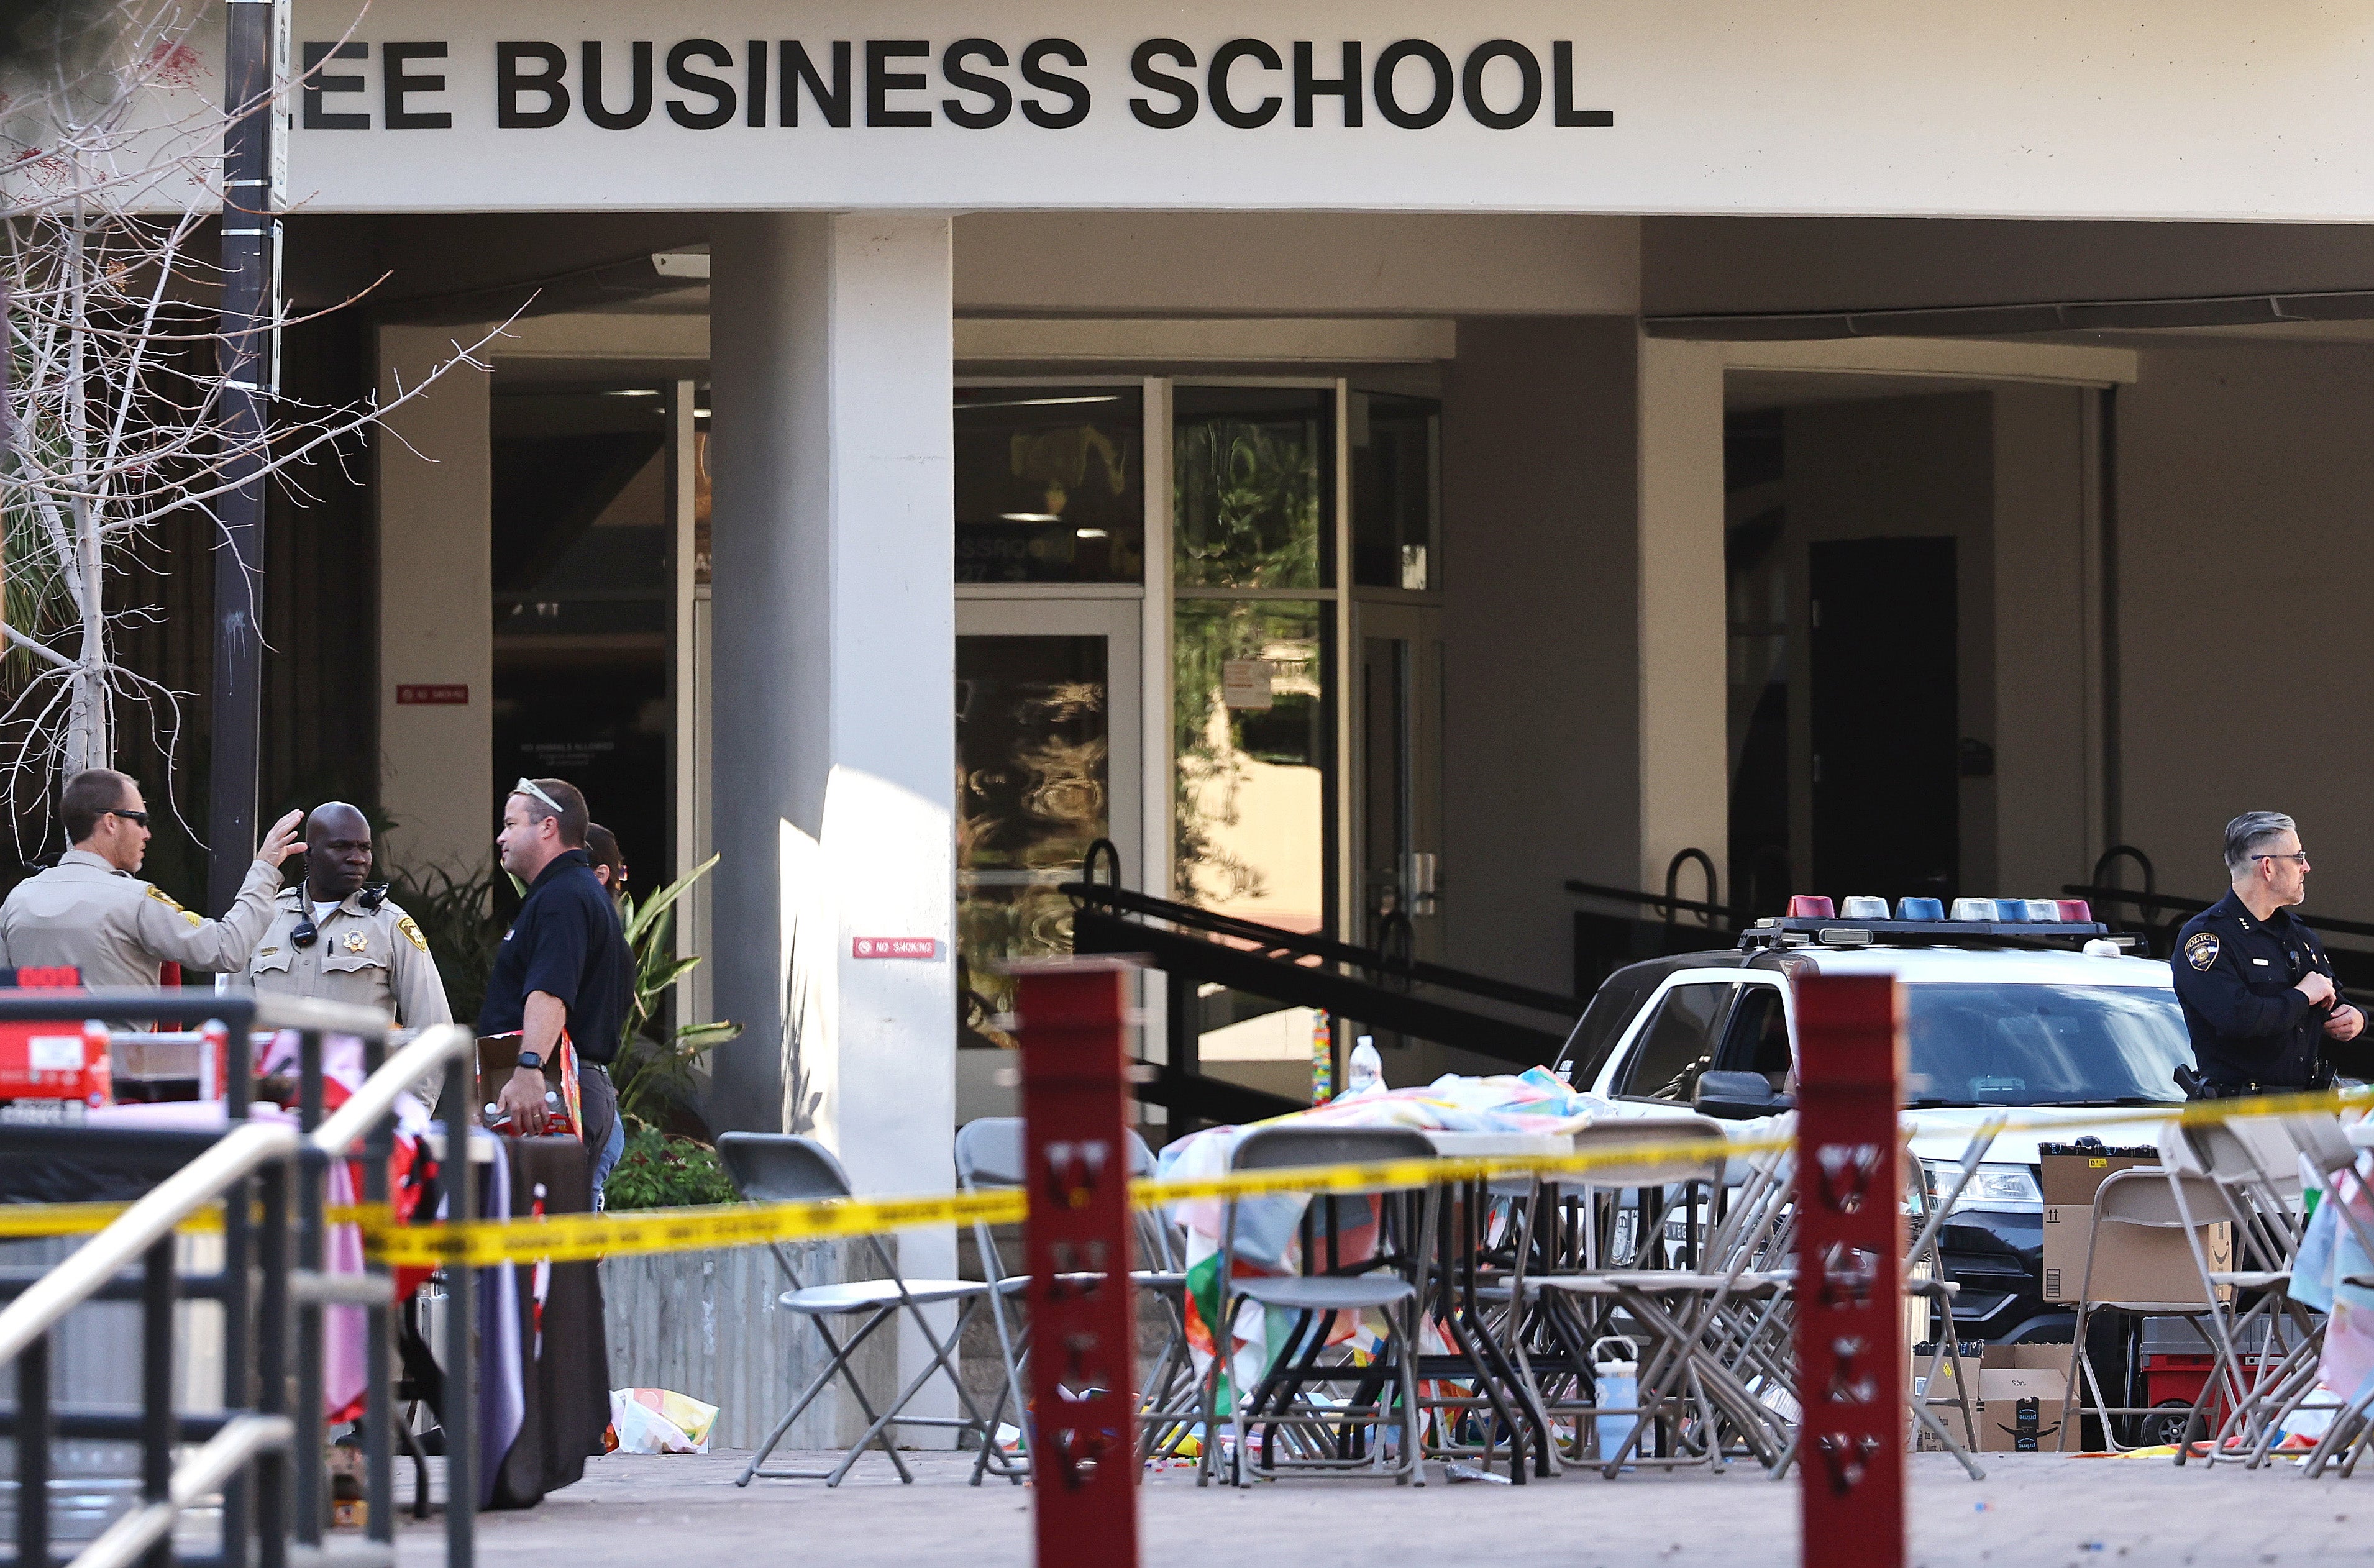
<point x="563" y="964"/>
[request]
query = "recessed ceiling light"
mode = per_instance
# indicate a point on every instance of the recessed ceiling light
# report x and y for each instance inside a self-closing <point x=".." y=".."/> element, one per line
<point x="1088" y="532"/>
<point x="1030" y="517"/>
<point x="632" y="392"/>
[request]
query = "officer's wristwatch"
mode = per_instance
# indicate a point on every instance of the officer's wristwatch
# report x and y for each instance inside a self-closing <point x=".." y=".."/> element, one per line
<point x="531" y="1061"/>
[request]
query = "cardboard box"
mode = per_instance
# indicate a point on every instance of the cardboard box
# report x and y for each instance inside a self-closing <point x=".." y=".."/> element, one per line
<point x="2134" y="1263"/>
<point x="2020" y="1409"/>
<point x="2072" y="1178"/>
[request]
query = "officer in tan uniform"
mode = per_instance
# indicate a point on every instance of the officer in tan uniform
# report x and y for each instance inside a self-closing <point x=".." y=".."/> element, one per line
<point x="90" y="911"/>
<point x="333" y="937"/>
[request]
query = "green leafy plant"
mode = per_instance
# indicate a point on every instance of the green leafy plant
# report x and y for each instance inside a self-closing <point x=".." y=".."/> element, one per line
<point x="655" y="1063"/>
<point x="658" y="1171"/>
<point x="459" y="919"/>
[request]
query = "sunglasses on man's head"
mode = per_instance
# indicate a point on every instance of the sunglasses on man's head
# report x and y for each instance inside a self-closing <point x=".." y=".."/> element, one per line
<point x="140" y="817"/>
<point x="528" y="787"/>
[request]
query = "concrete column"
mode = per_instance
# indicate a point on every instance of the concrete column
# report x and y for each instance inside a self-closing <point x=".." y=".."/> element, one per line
<point x="1541" y="525"/>
<point x="2047" y="640"/>
<point x="1684" y="758"/>
<point x="834" y="665"/>
<point x="436" y="595"/>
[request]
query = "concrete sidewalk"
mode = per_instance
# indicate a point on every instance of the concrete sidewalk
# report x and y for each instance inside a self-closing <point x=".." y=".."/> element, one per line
<point x="684" y="1511"/>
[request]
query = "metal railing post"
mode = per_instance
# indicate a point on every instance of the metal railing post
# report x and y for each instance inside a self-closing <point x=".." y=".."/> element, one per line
<point x="1850" y="1351"/>
<point x="33" y="1455"/>
<point x="379" y="1371"/>
<point x="1083" y="1436"/>
<point x="159" y="1429"/>
<point x="313" y="1177"/>
<point x="238" y="1300"/>
<point x="461" y="1412"/>
<point x="272" y="1366"/>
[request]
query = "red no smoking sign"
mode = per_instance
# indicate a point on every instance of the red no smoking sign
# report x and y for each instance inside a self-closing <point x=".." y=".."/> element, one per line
<point x="893" y="947"/>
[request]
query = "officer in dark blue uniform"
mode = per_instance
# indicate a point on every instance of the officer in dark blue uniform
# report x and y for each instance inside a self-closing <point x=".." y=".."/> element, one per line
<point x="2256" y="988"/>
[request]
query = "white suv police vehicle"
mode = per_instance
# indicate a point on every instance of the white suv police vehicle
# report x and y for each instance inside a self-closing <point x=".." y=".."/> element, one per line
<point x="2002" y="1009"/>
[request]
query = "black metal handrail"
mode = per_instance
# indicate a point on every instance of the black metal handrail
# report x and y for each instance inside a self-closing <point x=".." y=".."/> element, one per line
<point x="1673" y="879"/>
<point x="257" y="1434"/>
<point x="1666" y="901"/>
<point x="1273" y="940"/>
<point x="2149" y="902"/>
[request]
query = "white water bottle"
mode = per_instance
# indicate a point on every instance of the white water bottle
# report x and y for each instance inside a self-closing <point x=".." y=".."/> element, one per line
<point x="1365" y="1074"/>
<point x="1617" y="1385"/>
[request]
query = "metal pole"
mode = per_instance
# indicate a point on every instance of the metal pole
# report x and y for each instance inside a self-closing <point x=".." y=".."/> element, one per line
<point x="1851" y="1239"/>
<point x="34" y="1454"/>
<point x="313" y="1179"/>
<point x="461" y="1412"/>
<point x="158" y="1429"/>
<point x="379" y="1371"/>
<point x="249" y="364"/>
<point x="238" y="1319"/>
<point x="272" y="1366"/>
<point x="1074" y="1105"/>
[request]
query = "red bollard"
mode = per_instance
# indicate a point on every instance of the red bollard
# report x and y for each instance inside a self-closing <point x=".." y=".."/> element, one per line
<point x="1849" y="1271"/>
<point x="1083" y="1335"/>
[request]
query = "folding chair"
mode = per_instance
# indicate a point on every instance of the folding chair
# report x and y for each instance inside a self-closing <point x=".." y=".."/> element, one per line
<point x="2153" y="1198"/>
<point x="991" y="1153"/>
<point x="1323" y="1437"/>
<point x="2326" y="1145"/>
<point x="1925" y="1277"/>
<point x="771" y="1167"/>
<point x="1698" y="1323"/>
<point x="2265" y="1210"/>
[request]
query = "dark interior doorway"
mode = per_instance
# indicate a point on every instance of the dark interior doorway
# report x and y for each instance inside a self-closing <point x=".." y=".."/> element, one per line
<point x="581" y="607"/>
<point x="1886" y="808"/>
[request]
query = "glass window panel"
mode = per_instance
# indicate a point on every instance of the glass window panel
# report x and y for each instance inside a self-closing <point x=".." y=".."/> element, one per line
<point x="1396" y="490"/>
<point x="1050" y="485"/>
<point x="1033" y="792"/>
<point x="1677" y="1042"/>
<point x="1254" y="486"/>
<point x="1252" y="709"/>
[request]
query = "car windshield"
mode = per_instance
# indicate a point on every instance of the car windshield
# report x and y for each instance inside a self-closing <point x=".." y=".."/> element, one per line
<point x="2036" y="1044"/>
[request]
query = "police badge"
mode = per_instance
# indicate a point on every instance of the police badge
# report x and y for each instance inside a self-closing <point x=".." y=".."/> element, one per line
<point x="2201" y="949"/>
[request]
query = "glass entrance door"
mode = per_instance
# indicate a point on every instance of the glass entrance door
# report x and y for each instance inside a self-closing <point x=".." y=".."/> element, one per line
<point x="1400" y="783"/>
<point x="1047" y="763"/>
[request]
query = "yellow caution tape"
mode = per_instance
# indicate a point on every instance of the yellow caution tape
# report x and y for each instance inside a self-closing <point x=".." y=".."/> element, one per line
<point x="21" y="1220"/>
<point x="572" y="1238"/>
<point x="581" y="1238"/>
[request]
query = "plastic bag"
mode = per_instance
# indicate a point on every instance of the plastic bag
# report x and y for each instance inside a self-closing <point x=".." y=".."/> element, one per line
<point x="657" y="1421"/>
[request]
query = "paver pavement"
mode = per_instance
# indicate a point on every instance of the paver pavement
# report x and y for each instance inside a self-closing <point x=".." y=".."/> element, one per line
<point x="637" y="1511"/>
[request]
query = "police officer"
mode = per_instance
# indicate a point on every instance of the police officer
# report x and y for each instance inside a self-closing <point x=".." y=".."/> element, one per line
<point x="336" y="937"/>
<point x="89" y="910"/>
<point x="2256" y="986"/>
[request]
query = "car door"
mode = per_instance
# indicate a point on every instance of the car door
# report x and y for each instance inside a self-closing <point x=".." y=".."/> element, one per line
<point x="1674" y="1041"/>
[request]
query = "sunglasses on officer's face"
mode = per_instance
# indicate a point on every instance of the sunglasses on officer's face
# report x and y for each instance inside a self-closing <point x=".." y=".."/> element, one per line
<point x="140" y="817"/>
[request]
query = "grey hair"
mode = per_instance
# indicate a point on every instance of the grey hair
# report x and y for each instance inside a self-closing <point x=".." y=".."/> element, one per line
<point x="2246" y="834"/>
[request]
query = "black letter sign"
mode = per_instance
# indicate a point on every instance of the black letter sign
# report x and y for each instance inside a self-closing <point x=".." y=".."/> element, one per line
<point x="511" y="81"/>
<point x="1141" y="67"/>
<point x="881" y="81"/>
<point x="680" y="73"/>
<point x="316" y="117"/>
<point x="396" y="84"/>
<point x="1529" y="97"/>
<point x="1445" y="86"/>
<point x="1000" y="96"/>
<point x="639" y="104"/>
<point x="1035" y="72"/>
<point x="1217" y="83"/>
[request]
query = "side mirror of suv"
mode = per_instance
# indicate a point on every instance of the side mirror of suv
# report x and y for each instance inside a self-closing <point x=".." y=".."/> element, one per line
<point x="1737" y="1096"/>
